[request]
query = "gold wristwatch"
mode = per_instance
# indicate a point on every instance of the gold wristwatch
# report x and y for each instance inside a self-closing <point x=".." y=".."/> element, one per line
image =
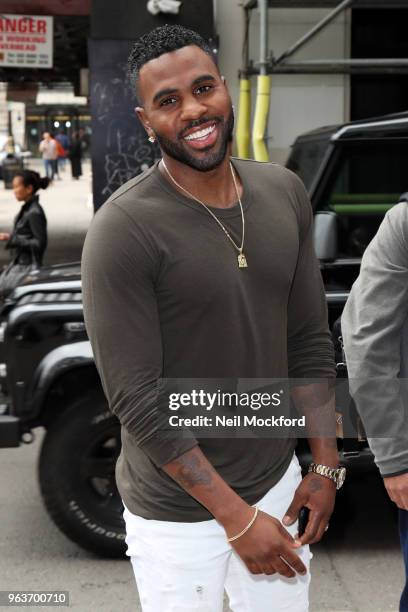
<point x="337" y="475"/>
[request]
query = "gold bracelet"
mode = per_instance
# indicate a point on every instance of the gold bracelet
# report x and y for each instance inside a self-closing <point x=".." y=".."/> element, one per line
<point x="251" y="522"/>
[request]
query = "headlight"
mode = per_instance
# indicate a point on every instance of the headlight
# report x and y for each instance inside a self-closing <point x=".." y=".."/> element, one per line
<point x="3" y="370"/>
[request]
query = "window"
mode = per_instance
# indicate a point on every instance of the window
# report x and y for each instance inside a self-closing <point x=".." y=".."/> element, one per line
<point x="306" y="158"/>
<point x="370" y="179"/>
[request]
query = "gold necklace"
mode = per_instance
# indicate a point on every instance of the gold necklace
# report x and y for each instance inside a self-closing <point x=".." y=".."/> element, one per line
<point x="242" y="261"/>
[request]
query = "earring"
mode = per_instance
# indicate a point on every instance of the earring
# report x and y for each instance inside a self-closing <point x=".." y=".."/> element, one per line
<point x="152" y="139"/>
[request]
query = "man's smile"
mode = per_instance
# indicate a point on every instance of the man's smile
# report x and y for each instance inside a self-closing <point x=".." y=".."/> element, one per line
<point x="202" y="137"/>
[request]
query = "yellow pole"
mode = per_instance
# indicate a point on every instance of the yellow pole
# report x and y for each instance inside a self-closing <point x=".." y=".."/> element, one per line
<point x="261" y="118"/>
<point x="243" y="134"/>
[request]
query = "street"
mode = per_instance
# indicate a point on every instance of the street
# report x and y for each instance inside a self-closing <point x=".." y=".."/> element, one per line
<point x="358" y="567"/>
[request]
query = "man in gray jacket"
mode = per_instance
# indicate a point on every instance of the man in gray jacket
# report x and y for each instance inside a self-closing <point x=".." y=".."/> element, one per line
<point x="375" y="335"/>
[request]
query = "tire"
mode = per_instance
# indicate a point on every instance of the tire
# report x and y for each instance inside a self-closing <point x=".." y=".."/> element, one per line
<point x="77" y="476"/>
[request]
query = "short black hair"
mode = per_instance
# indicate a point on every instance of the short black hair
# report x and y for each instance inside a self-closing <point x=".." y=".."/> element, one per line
<point x="155" y="43"/>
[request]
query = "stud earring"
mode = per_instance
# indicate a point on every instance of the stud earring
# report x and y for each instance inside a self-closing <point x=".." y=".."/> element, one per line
<point x="152" y="139"/>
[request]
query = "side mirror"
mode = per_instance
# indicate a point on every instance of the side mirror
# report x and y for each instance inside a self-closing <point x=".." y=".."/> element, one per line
<point x="325" y="235"/>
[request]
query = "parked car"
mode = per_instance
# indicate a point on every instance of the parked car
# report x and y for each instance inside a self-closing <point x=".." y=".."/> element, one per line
<point x="354" y="173"/>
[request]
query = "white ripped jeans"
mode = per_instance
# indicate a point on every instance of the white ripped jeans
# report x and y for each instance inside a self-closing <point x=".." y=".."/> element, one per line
<point x="184" y="567"/>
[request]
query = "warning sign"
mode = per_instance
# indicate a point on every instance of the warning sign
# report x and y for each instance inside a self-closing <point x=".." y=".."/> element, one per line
<point x="26" y="41"/>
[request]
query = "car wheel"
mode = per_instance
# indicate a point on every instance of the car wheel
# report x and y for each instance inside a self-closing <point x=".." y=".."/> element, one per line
<point x="77" y="476"/>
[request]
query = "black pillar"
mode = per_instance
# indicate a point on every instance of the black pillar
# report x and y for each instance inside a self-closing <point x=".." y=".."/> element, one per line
<point x="120" y="149"/>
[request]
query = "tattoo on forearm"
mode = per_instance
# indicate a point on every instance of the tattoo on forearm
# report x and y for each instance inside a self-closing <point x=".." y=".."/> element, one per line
<point x="315" y="485"/>
<point x="191" y="473"/>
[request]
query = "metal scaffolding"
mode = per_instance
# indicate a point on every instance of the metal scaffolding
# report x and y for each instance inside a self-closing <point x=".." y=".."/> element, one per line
<point x="269" y="65"/>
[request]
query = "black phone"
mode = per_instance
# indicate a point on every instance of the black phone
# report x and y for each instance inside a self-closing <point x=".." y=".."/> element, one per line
<point x="303" y="519"/>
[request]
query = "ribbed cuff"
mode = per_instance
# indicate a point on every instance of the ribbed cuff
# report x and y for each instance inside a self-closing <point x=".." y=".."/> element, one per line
<point x="396" y="464"/>
<point x="404" y="471"/>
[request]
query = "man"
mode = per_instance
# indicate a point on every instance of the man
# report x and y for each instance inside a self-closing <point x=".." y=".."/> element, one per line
<point x="174" y="288"/>
<point x="63" y="139"/>
<point x="84" y="140"/>
<point x="75" y="156"/>
<point x="48" y="149"/>
<point x="62" y="148"/>
<point x="374" y="331"/>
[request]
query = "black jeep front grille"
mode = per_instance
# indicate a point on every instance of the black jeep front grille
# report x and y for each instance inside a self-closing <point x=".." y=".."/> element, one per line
<point x="47" y="297"/>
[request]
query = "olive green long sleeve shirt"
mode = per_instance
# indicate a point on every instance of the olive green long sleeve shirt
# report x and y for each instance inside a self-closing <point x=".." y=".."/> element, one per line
<point x="164" y="298"/>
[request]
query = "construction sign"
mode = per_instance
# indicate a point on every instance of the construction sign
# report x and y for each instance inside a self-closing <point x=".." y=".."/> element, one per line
<point x="26" y="41"/>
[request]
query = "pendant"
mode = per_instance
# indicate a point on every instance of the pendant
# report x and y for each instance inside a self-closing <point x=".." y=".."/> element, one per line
<point x="242" y="262"/>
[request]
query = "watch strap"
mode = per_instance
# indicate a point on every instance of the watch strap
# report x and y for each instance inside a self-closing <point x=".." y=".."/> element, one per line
<point x="331" y="473"/>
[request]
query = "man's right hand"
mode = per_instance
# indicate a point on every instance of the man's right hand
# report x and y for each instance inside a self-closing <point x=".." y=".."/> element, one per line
<point x="397" y="489"/>
<point x="268" y="548"/>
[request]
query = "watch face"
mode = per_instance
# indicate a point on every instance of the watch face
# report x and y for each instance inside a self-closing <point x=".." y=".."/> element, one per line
<point x="341" y="476"/>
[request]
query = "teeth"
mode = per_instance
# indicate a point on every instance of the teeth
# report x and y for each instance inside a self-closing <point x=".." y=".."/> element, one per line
<point x="200" y="133"/>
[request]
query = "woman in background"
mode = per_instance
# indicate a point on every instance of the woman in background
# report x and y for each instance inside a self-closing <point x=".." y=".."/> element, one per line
<point x="28" y="240"/>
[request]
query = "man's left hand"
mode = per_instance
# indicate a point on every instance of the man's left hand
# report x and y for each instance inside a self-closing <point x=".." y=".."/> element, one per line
<point x="397" y="489"/>
<point x="317" y="493"/>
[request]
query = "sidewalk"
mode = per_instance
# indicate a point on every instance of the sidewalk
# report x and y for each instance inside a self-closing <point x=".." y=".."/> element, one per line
<point x="68" y="206"/>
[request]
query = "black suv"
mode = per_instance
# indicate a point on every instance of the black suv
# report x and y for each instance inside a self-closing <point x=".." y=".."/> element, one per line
<point x="354" y="173"/>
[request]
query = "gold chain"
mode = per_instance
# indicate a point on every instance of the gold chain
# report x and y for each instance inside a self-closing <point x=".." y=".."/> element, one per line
<point x="241" y="257"/>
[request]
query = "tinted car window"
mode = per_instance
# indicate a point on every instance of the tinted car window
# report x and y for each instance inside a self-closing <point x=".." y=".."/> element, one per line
<point x="306" y="157"/>
<point x="369" y="180"/>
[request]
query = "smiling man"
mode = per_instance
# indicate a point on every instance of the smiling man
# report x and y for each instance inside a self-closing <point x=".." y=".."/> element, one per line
<point x="203" y="267"/>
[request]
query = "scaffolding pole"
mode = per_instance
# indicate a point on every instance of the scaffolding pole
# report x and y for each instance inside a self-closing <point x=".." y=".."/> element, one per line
<point x="335" y="66"/>
<point x="339" y="66"/>
<point x="263" y="89"/>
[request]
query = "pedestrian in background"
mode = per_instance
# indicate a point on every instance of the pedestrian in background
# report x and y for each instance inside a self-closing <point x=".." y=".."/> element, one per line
<point x="60" y="153"/>
<point x="29" y="234"/>
<point x="63" y="147"/>
<point x="48" y="149"/>
<point x="75" y="155"/>
<point x="84" y="138"/>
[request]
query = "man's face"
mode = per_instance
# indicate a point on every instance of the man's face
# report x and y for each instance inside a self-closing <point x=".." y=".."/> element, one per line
<point x="187" y="106"/>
